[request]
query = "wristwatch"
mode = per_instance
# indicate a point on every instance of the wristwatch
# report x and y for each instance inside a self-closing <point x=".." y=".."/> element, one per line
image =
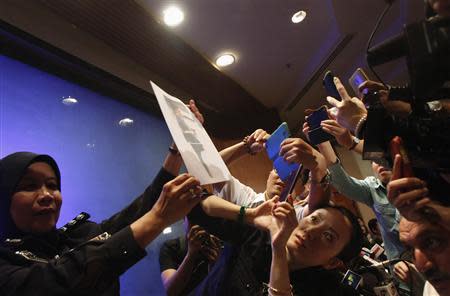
<point x="324" y="182"/>
<point x="355" y="142"/>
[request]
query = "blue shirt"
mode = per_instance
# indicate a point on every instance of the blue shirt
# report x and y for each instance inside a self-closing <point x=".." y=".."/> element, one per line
<point x="371" y="192"/>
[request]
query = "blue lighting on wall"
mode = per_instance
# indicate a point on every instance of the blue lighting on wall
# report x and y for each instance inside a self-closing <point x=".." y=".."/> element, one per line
<point x="104" y="164"/>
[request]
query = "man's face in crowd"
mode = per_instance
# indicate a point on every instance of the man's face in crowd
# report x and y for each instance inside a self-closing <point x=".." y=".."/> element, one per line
<point x="274" y="185"/>
<point x="441" y="7"/>
<point x="318" y="239"/>
<point x="382" y="173"/>
<point x="430" y="244"/>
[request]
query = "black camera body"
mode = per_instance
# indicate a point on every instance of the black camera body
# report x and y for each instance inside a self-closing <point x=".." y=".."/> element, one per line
<point x="426" y="138"/>
<point x="426" y="46"/>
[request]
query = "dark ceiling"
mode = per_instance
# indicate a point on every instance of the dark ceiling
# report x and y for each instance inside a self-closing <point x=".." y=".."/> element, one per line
<point x="279" y="64"/>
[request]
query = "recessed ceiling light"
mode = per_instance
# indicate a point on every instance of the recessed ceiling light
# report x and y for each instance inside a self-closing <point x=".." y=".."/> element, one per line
<point x="69" y="101"/>
<point x="126" y="122"/>
<point x="167" y="230"/>
<point x="298" y="16"/>
<point x="173" y="16"/>
<point x="225" y="60"/>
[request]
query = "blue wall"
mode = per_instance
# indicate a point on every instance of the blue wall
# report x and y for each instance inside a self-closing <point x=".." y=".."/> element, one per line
<point x="103" y="165"/>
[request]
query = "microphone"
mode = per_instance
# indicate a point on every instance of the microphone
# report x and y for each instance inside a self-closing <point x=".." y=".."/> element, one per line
<point x="376" y="264"/>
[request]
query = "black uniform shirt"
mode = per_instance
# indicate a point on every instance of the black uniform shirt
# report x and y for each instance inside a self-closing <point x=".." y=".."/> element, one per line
<point x="82" y="260"/>
<point x="171" y="256"/>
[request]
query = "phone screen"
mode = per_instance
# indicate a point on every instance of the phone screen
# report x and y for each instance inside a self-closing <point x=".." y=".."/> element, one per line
<point x="328" y="83"/>
<point x="317" y="117"/>
<point x="352" y="279"/>
<point x="357" y="79"/>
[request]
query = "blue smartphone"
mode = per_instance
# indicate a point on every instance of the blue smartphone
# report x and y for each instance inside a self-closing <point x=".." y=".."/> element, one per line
<point x="328" y="83"/>
<point x="276" y="138"/>
<point x="284" y="169"/>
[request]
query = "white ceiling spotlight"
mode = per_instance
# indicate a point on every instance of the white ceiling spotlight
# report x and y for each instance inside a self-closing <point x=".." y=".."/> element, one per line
<point x="298" y="16"/>
<point x="126" y="122"/>
<point x="69" y="101"/>
<point x="225" y="60"/>
<point x="173" y="16"/>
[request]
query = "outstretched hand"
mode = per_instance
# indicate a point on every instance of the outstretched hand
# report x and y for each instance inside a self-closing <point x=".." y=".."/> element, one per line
<point x="394" y="107"/>
<point x="342" y="135"/>
<point x="177" y="198"/>
<point x="279" y="221"/>
<point x="295" y="150"/>
<point x="350" y="110"/>
<point x="408" y="195"/>
<point x="285" y="222"/>
<point x="257" y="140"/>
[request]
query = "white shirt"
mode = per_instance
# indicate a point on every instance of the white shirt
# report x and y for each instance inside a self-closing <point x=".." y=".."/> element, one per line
<point x="236" y="192"/>
<point x="428" y="290"/>
<point x="240" y="194"/>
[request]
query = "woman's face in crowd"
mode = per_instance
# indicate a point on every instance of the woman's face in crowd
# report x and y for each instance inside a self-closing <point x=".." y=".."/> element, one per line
<point x="36" y="203"/>
<point x="318" y="238"/>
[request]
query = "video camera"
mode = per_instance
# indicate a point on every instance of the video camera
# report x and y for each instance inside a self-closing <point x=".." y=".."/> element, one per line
<point x="426" y="46"/>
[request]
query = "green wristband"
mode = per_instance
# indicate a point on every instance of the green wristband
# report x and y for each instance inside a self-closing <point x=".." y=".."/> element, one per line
<point x="241" y="215"/>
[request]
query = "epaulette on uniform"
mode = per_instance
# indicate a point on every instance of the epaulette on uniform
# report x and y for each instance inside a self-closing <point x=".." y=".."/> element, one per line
<point x="82" y="217"/>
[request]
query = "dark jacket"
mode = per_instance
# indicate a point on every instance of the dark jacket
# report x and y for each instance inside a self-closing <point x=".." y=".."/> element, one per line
<point x="82" y="258"/>
<point x="244" y="265"/>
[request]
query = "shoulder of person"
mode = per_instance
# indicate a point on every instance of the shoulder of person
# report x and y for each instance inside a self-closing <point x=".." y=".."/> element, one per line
<point x="372" y="181"/>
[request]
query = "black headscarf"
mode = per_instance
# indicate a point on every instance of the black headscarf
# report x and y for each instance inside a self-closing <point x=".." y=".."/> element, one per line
<point x="12" y="169"/>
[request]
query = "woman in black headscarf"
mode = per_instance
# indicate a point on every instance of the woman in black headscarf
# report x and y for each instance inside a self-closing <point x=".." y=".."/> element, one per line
<point x="83" y="257"/>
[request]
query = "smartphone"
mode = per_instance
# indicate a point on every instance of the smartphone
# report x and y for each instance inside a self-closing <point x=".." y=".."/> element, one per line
<point x="397" y="147"/>
<point x="328" y="83"/>
<point x="290" y="183"/>
<point x="273" y="143"/>
<point x="316" y="134"/>
<point x="352" y="279"/>
<point x="276" y="138"/>
<point x="357" y="79"/>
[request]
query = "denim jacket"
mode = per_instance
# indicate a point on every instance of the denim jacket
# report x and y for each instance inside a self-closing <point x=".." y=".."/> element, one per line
<point x="371" y="192"/>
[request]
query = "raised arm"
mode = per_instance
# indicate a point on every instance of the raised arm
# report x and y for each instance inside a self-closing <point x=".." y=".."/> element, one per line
<point x="92" y="267"/>
<point x="412" y="197"/>
<point x="351" y="187"/>
<point x="215" y="206"/>
<point x="174" y="277"/>
<point x="297" y="150"/>
<point x="279" y="223"/>
<point x="251" y="144"/>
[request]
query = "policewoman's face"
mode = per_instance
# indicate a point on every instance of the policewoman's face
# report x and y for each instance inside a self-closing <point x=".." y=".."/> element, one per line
<point x="36" y="203"/>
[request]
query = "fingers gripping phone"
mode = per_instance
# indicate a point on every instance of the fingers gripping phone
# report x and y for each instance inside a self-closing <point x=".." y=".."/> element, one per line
<point x="316" y="134"/>
<point x="330" y="87"/>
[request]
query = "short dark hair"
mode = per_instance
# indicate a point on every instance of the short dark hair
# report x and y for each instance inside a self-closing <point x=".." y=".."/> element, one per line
<point x="353" y="248"/>
<point x="372" y="224"/>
